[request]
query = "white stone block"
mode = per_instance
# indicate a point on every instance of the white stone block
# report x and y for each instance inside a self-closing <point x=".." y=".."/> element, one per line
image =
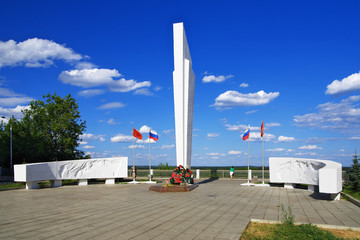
<point x="110" y="181"/>
<point x="289" y="185"/>
<point x="82" y="182"/>
<point x="197" y="173"/>
<point x="330" y="180"/>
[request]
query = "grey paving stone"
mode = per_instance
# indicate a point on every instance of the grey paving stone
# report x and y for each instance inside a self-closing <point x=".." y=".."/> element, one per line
<point x="216" y="210"/>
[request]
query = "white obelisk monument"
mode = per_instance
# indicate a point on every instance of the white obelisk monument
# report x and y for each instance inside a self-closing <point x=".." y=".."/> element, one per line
<point x="184" y="86"/>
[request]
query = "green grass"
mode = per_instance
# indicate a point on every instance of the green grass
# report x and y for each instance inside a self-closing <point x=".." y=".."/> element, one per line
<point x="286" y="231"/>
<point x="12" y="185"/>
<point x="354" y="194"/>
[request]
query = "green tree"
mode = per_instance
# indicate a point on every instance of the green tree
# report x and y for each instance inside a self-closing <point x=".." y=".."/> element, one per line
<point x="49" y="131"/>
<point x="354" y="174"/>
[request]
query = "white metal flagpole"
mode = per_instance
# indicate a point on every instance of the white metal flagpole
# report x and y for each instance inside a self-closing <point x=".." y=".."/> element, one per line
<point x="262" y="159"/>
<point x="149" y="160"/>
<point x="249" y="159"/>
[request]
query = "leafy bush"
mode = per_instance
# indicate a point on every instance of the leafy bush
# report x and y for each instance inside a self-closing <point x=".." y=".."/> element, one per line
<point x="287" y="216"/>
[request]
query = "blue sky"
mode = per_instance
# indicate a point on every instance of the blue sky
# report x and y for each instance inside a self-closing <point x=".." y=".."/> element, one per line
<point x="293" y="64"/>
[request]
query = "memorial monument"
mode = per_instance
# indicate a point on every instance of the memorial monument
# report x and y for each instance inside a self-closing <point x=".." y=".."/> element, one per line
<point x="184" y="86"/>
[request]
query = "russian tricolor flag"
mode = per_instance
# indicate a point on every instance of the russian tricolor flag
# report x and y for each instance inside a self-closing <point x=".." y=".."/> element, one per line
<point x="153" y="136"/>
<point x="246" y="134"/>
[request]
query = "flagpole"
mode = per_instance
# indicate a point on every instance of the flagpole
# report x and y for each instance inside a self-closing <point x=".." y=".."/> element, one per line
<point x="249" y="159"/>
<point x="149" y="160"/>
<point x="263" y="159"/>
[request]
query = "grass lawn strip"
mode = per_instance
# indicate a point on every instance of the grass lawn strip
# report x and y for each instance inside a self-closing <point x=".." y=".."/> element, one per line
<point x="264" y="229"/>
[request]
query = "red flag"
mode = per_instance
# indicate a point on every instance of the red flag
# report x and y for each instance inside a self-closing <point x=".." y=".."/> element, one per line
<point x="262" y="129"/>
<point x="137" y="134"/>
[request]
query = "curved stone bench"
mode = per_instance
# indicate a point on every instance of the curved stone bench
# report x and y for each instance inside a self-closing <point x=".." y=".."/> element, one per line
<point x="323" y="173"/>
<point x="82" y="170"/>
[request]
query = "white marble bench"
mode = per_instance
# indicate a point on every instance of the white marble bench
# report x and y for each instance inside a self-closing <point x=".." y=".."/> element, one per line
<point x="82" y="170"/>
<point x="325" y="174"/>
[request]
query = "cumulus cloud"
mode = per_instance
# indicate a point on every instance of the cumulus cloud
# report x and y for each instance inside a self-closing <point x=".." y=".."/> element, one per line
<point x="16" y="112"/>
<point x="244" y="85"/>
<point x="91" y="92"/>
<point x="111" y="105"/>
<point x="310" y="147"/>
<point x="348" y="84"/>
<point x="341" y="117"/>
<point x="306" y="153"/>
<point x="34" y="52"/>
<point x="122" y="138"/>
<point x="92" y="137"/>
<point x="256" y="137"/>
<point x="285" y="139"/>
<point x="234" y="99"/>
<point x="145" y="129"/>
<point x="213" y="78"/>
<point x="98" y="77"/>
<point x="270" y="125"/>
<point x="232" y="152"/>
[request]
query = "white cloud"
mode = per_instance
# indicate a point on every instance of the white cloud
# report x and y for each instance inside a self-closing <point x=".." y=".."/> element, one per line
<point x="102" y="139"/>
<point x="355" y="138"/>
<point x="168" y="131"/>
<point x="157" y="88"/>
<point x="306" y="153"/>
<point x="97" y="77"/>
<point x="216" y="154"/>
<point x="91" y="92"/>
<point x="89" y="77"/>
<point x="212" y="135"/>
<point x="213" y="78"/>
<point x="9" y="98"/>
<point x="34" y="52"/>
<point x="240" y="127"/>
<point x="143" y="91"/>
<point x="136" y="146"/>
<point x="91" y="137"/>
<point x="340" y="117"/>
<point x="276" y="150"/>
<point x="83" y="143"/>
<point x="232" y="152"/>
<point x="244" y="85"/>
<point x="16" y="112"/>
<point x="348" y="84"/>
<point x="111" y="121"/>
<point x="256" y="137"/>
<point x="285" y="139"/>
<point x="85" y="65"/>
<point x="233" y="99"/>
<point x="121" y="138"/>
<point x="168" y="146"/>
<point x="88" y="147"/>
<point x="269" y="125"/>
<point x="145" y="129"/>
<point x="251" y="112"/>
<point x="310" y="147"/>
<point x="145" y="141"/>
<point x="111" y="105"/>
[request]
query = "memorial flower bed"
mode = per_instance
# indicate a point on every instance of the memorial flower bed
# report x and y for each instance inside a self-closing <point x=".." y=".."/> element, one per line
<point x="181" y="175"/>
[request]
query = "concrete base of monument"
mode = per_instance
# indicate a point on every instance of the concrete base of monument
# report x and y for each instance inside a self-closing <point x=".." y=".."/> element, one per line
<point x="173" y="188"/>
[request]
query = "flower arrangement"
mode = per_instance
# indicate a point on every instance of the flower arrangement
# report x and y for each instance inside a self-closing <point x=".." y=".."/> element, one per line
<point x="182" y="176"/>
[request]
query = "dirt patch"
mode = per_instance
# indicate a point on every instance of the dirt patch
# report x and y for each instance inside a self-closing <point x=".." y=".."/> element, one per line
<point x="347" y="234"/>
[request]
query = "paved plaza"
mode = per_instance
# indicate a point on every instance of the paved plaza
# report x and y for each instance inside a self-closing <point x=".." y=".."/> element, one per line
<point x="219" y="209"/>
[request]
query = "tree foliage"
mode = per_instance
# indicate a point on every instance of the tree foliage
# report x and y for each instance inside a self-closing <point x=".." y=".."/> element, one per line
<point x="49" y="131"/>
<point x="354" y="174"/>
